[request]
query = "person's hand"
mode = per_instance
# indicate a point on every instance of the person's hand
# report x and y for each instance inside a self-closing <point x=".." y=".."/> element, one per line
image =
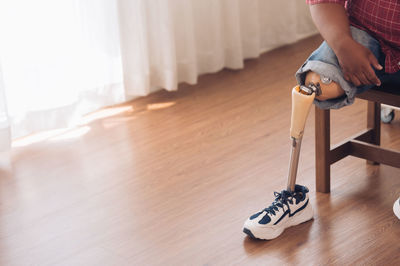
<point x="358" y="63"/>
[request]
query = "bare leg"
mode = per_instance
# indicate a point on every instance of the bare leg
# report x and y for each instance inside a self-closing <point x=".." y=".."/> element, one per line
<point x="329" y="88"/>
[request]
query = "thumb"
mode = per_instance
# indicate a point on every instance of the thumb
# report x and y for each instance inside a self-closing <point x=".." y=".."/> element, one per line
<point x="374" y="62"/>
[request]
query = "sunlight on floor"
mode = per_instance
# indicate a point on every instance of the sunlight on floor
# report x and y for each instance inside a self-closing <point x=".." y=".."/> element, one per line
<point x="65" y="134"/>
<point x="157" y="106"/>
<point x="116" y="121"/>
<point x="37" y="137"/>
<point x="104" y="113"/>
<point x="72" y="134"/>
<point x="52" y="135"/>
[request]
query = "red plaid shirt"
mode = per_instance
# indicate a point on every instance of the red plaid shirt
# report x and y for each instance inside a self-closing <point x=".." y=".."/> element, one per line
<point x="380" y="18"/>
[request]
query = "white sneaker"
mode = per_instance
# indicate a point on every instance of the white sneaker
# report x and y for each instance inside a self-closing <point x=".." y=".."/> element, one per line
<point x="288" y="209"/>
<point x="396" y="208"/>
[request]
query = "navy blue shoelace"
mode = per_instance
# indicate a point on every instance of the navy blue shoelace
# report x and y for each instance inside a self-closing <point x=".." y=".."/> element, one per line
<point x="283" y="198"/>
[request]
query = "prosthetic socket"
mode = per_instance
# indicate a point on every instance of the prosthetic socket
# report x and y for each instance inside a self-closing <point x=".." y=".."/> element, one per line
<point x="302" y="99"/>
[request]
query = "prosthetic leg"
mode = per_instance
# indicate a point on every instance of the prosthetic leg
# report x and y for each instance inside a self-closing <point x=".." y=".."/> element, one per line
<point x="284" y="212"/>
<point x="302" y="99"/>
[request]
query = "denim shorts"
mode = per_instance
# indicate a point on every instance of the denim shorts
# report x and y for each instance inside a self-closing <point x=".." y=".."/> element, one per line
<point x="324" y="62"/>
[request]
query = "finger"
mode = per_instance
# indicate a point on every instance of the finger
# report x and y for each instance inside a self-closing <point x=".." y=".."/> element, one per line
<point x="374" y="62"/>
<point x="363" y="79"/>
<point x="347" y="77"/>
<point x="356" y="82"/>
<point x="372" y="77"/>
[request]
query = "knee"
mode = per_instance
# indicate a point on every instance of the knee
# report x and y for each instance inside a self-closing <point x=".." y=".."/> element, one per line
<point x="329" y="88"/>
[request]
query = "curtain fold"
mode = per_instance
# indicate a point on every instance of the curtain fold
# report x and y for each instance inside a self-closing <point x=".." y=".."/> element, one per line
<point x="61" y="59"/>
<point x="5" y="133"/>
<point x="65" y="58"/>
<point x="167" y="42"/>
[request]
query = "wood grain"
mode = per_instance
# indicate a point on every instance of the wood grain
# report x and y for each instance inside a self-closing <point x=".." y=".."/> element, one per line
<point x="322" y="150"/>
<point x="374" y="122"/>
<point x="169" y="179"/>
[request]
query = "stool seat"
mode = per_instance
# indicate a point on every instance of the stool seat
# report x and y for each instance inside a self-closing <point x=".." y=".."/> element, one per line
<point x="387" y="94"/>
<point x="364" y="145"/>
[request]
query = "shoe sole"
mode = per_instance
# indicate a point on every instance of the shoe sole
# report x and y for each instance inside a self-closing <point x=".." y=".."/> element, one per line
<point x="303" y="217"/>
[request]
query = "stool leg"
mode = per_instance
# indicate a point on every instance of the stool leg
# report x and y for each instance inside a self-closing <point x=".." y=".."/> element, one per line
<point x="374" y="123"/>
<point x="322" y="149"/>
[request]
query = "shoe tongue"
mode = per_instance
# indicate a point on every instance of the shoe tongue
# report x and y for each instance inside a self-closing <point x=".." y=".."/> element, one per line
<point x="299" y="188"/>
<point x="286" y="193"/>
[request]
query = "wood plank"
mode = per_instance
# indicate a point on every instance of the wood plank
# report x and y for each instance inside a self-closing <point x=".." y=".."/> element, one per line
<point x="381" y="97"/>
<point x="339" y="152"/>
<point x="322" y="147"/>
<point x="375" y="153"/>
<point x="364" y="135"/>
<point x="170" y="178"/>
<point x="342" y="149"/>
<point x="374" y="122"/>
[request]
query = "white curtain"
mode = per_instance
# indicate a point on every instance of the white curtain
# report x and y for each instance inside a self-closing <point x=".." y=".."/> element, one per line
<point x="64" y="58"/>
<point x="5" y="134"/>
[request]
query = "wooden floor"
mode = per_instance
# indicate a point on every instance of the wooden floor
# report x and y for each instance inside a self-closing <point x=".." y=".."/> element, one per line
<point x="169" y="179"/>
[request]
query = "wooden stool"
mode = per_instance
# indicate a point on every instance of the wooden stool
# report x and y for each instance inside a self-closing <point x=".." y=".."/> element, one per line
<point x="363" y="145"/>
